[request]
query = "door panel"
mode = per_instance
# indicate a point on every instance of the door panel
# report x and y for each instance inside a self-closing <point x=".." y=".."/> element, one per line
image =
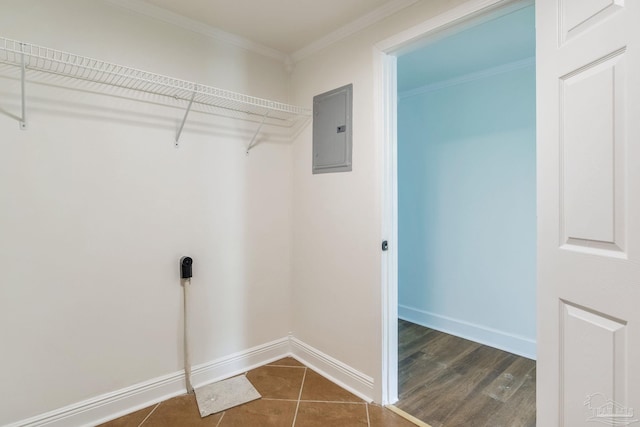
<point x="588" y="113"/>
<point x="578" y="16"/>
<point x="600" y="343"/>
<point x="593" y="132"/>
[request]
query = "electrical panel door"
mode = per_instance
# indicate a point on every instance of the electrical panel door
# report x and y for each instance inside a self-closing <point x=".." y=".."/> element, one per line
<point x="332" y="130"/>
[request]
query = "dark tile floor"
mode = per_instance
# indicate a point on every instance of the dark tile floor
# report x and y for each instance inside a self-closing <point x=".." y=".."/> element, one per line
<point x="292" y="396"/>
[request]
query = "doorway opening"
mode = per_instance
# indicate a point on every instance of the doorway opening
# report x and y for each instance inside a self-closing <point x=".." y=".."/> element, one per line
<point x="460" y="209"/>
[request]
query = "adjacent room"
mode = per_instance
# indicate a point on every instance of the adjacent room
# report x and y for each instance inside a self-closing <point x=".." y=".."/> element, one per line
<point x="467" y="223"/>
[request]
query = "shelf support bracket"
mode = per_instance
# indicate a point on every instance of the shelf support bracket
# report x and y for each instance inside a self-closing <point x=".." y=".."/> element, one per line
<point x="23" y="76"/>
<point x="255" y="135"/>
<point x="184" y="119"/>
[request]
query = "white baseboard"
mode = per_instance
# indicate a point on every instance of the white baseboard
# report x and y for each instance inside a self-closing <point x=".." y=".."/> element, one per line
<point x="109" y="406"/>
<point x="512" y="343"/>
<point x="344" y="375"/>
<point x="118" y="403"/>
<point x="113" y="405"/>
<point x="239" y="362"/>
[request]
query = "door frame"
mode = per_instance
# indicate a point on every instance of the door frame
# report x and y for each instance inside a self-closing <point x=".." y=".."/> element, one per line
<point x="385" y="55"/>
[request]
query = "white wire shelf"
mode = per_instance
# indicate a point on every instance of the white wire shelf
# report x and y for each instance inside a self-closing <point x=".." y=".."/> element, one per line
<point x="32" y="57"/>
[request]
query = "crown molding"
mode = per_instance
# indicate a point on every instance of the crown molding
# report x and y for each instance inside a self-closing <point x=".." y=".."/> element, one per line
<point x="488" y="72"/>
<point x="144" y="8"/>
<point x="152" y="11"/>
<point x="459" y="18"/>
<point x="353" y="27"/>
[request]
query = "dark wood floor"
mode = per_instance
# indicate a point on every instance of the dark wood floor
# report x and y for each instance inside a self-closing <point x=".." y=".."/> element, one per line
<point x="448" y="381"/>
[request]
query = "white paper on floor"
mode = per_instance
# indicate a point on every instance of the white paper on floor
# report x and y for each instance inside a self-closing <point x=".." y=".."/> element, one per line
<point x="217" y="397"/>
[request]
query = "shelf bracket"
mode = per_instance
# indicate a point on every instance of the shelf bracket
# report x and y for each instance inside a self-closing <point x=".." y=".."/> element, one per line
<point x="255" y="135"/>
<point x="23" y="76"/>
<point x="184" y="119"/>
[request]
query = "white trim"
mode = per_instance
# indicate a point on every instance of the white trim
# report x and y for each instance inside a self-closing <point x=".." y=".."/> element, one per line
<point x="418" y="32"/>
<point x="112" y="405"/>
<point x="340" y="373"/>
<point x="516" y="344"/>
<point x="161" y="14"/>
<point x="385" y="66"/>
<point x="353" y="27"/>
<point x="239" y="362"/>
<point x="467" y="78"/>
<point x="466" y="15"/>
<point x="150" y="10"/>
<point x="386" y="115"/>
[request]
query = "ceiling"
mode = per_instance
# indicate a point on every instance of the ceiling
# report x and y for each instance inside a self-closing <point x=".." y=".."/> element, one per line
<point x="284" y="25"/>
<point x="503" y="40"/>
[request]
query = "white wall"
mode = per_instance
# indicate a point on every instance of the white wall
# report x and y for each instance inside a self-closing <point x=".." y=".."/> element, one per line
<point x="466" y="209"/>
<point x="98" y="206"/>
<point x="337" y="217"/>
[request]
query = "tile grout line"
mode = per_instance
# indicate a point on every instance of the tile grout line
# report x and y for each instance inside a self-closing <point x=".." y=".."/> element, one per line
<point x="368" y="419"/>
<point x="220" y="420"/>
<point x="278" y="400"/>
<point x="284" y="366"/>
<point x="150" y="413"/>
<point x="295" y="416"/>
<point x="339" y="402"/>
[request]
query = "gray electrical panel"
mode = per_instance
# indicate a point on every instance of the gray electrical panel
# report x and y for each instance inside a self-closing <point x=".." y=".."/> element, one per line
<point x="332" y="130"/>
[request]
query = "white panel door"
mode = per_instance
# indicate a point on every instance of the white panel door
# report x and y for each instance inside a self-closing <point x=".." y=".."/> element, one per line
<point x="588" y="82"/>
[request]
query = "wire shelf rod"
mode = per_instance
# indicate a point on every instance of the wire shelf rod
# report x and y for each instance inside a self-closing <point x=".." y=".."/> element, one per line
<point x="180" y="94"/>
<point x="255" y="135"/>
<point x="49" y="60"/>
<point x="23" y="78"/>
<point x="184" y="120"/>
